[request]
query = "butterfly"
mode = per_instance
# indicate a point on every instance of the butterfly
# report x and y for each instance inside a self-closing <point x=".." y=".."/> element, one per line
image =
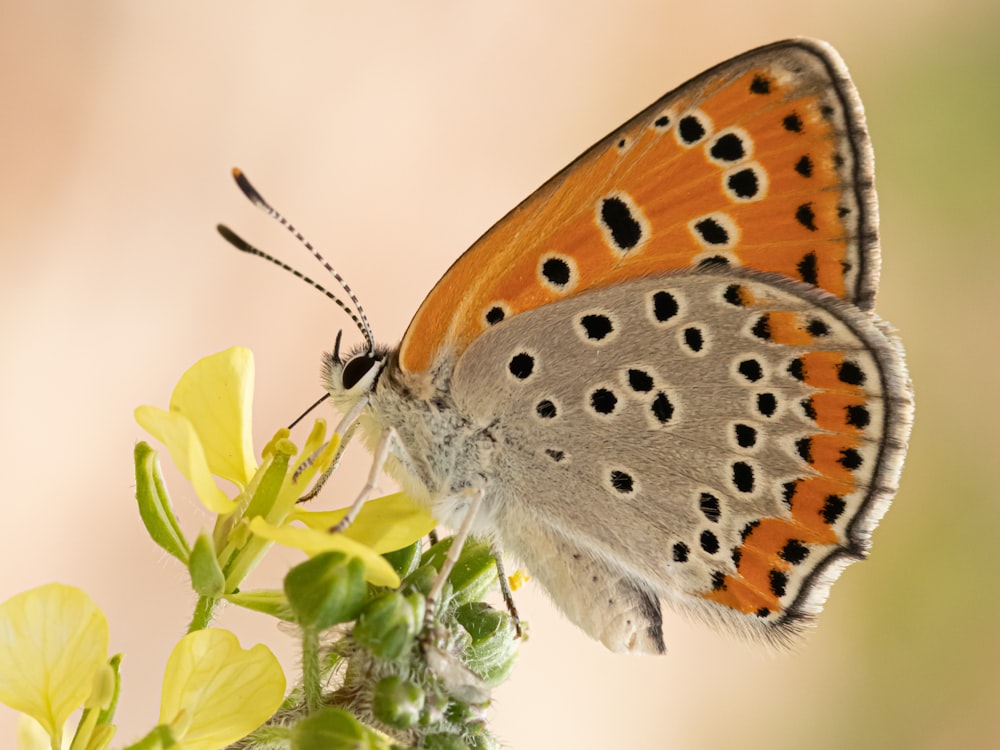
<point x="660" y="376"/>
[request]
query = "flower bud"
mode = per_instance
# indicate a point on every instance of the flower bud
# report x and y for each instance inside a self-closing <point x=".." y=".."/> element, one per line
<point x="397" y="702"/>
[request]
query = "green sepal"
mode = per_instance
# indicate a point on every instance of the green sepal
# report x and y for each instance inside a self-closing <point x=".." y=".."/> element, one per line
<point x="334" y="729"/>
<point x="207" y="578"/>
<point x="404" y="561"/>
<point x="420" y="580"/>
<point x="326" y="589"/>
<point x="388" y="625"/>
<point x="474" y="573"/>
<point x="107" y="714"/>
<point x="155" y="508"/>
<point x="397" y="702"/>
<point x="267" y="601"/>
<point x="493" y="649"/>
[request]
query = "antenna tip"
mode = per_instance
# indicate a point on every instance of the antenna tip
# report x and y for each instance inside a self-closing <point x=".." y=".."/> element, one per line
<point x="237" y="172"/>
<point x="232" y="238"/>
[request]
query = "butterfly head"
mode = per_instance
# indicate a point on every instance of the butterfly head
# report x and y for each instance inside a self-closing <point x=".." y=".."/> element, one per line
<point x="353" y="376"/>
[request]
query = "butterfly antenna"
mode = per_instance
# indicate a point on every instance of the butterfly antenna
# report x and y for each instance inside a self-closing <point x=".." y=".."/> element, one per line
<point x="361" y="320"/>
<point x="243" y="246"/>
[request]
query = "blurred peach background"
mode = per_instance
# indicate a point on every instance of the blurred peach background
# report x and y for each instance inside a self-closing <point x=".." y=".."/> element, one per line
<point x="394" y="134"/>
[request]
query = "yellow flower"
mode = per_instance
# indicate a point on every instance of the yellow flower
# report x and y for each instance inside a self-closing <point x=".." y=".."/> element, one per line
<point x="384" y="524"/>
<point x="53" y="645"/>
<point x="208" y="426"/>
<point x="207" y="430"/>
<point x="215" y="692"/>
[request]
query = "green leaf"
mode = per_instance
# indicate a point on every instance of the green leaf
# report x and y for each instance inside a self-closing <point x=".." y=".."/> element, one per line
<point x="155" y="508"/>
<point x="326" y="589"/>
<point x="207" y="577"/>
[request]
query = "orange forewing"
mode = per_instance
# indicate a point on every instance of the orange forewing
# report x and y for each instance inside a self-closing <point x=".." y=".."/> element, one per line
<point x="792" y="105"/>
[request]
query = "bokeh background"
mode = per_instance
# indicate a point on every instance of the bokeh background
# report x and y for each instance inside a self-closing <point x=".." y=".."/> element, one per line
<point x="395" y="133"/>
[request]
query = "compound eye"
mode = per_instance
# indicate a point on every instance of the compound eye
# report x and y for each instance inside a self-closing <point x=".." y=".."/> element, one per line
<point x="356" y="369"/>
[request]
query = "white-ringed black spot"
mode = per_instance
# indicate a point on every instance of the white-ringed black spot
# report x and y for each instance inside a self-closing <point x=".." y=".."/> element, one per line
<point x="763" y="612"/>
<point x="808" y="268"/>
<point x="747" y="183"/>
<point x="804" y="166"/>
<point x="857" y="416"/>
<point x="767" y="404"/>
<point x="794" y="552"/>
<point x="817" y="328"/>
<point x="665" y="306"/>
<point x="833" y="508"/>
<point x="849" y="372"/>
<point x="804" y="447"/>
<point x="797" y="369"/>
<point x="743" y="476"/>
<point x="622" y="144"/>
<point x="556" y="272"/>
<point x="709" y="542"/>
<point x="640" y="381"/>
<point x="805" y="215"/>
<point x="709" y="505"/>
<point x="662" y="122"/>
<point x="788" y="490"/>
<point x="603" y="401"/>
<point x="778" y="581"/>
<point x="521" y="365"/>
<point x="681" y="552"/>
<point x="746" y="436"/>
<point x="596" y="326"/>
<point x="494" y="315"/>
<point x="750" y="369"/>
<point x="622" y="481"/>
<point x="662" y="408"/>
<point x="734" y="295"/>
<point x="762" y="327"/>
<point x="620" y="222"/>
<point x="694" y="339"/>
<point x="691" y="129"/>
<point x="850" y="459"/>
<point x="808" y="408"/>
<point x="737" y="554"/>
<point x="546" y="409"/>
<point x="711" y="231"/>
<point x="728" y="147"/>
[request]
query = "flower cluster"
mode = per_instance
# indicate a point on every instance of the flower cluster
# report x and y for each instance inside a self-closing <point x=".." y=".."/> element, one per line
<point x="380" y="665"/>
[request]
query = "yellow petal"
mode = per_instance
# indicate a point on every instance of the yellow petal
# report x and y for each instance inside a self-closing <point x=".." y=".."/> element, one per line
<point x="30" y="735"/>
<point x="385" y="523"/>
<point x="216" y="394"/>
<point x="312" y="541"/>
<point x="176" y="432"/>
<point x="218" y="692"/>
<point x="53" y="640"/>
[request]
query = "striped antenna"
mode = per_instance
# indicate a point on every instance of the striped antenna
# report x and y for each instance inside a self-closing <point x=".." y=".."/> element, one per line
<point x="360" y="319"/>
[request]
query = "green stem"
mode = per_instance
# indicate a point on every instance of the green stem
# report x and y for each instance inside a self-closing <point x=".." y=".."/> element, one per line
<point x="310" y="670"/>
<point x="204" y="610"/>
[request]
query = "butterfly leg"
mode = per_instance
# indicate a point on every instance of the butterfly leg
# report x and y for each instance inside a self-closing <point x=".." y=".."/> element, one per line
<point x="474" y="498"/>
<point x="385" y="444"/>
<point x="508" y="595"/>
